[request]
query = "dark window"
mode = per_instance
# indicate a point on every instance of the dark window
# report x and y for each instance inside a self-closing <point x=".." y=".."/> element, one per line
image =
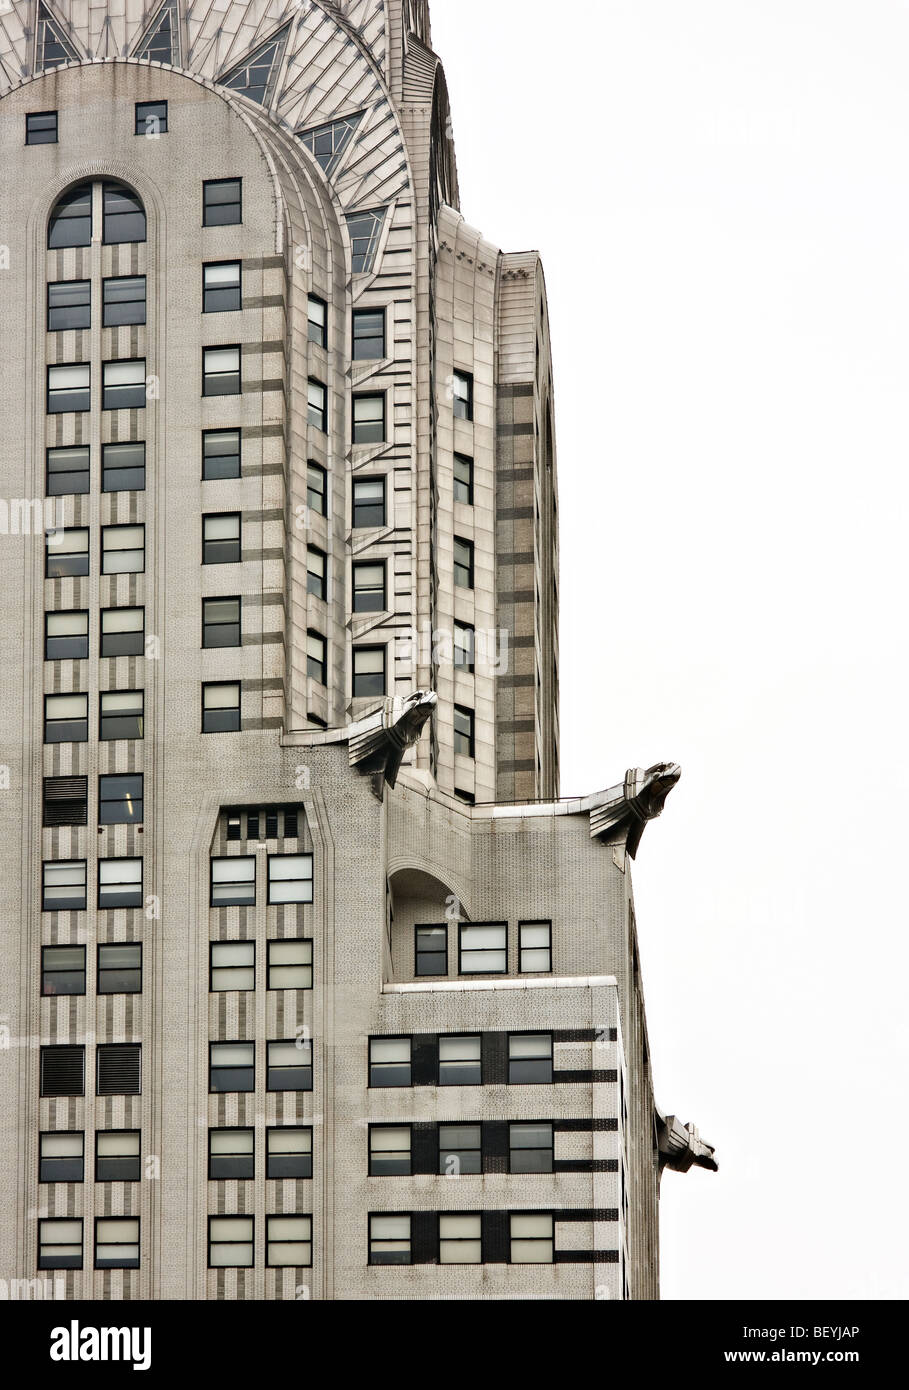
<point x="290" y="964"/>
<point x="368" y="334"/>
<point x="151" y="118"/>
<point x="290" y="825"/>
<point x="290" y="1065"/>
<point x="460" y="1149"/>
<point x="483" y="948"/>
<point x="123" y="385"/>
<point x="65" y="801"/>
<point x="221" y="202"/>
<point x="530" y="1148"/>
<point x="124" y="215"/>
<point x="122" y="549"/>
<point x="221" y="707"/>
<point x="120" y="967"/>
<point x="271" y="825"/>
<point x="118" y="1155"/>
<point x="122" y="714"/>
<point x="62" y="969"/>
<point x="41" y="128"/>
<point x="68" y="388"/>
<point x="220" y="622"/>
<point x="536" y="947"/>
<point x="389" y="1239"/>
<point x="328" y="142"/>
<point x="230" y="1242"/>
<point x="389" y="1151"/>
<point x="119" y="1069"/>
<point x="220" y="454"/>
<point x="369" y="588"/>
<point x="221" y="371"/>
<point x="463" y="479"/>
<point x="369" y="419"/>
<point x="431" y="950"/>
<point x="124" y="300"/>
<point x="252" y="827"/>
<point x="63" y="1071"/>
<point x="368" y="672"/>
<point x="369" y="502"/>
<point x="116" y="1242"/>
<point x="364" y="229"/>
<point x="529" y="1058"/>
<point x="65" y="718"/>
<point x="315" y="572"/>
<point x="532" y="1238"/>
<point x="317" y="318"/>
<point x="221" y="538"/>
<point x="289" y="876"/>
<point x="233" y="881"/>
<point x="120" y="799"/>
<point x="464" y="743"/>
<point x="315" y="657"/>
<point x="462" y="389"/>
<point x="119" y="882"/>
<point x="123" y="467"/>
<point x="389" y="1061"/>
<point x="288" y="1152"/>
<point x="62" y="1156"/>
<point x="63" y="885"/>
<point x="463" y="563"/>
<point x="232" y="1066"/>
<point x="67" y="553"/>
<point x="122" y="631"/>
<point x="288" y="1242"/>
<point x="232" y="966"/>
<point x="69" y="305"/>
<point x="71" y="220"/>
<point x="60" y="1244"/>
<point x="231" y="1153"/>
<point x="317" y="411"/>
<point x="66" y="635"/>
<point x="234" y="828"/>
<point x="68" y="471"/>
<point x="465" y="640"/>
<point x="221" y="287"/>
<point x="460" y="1062"/>
<point x="316" y="488"/>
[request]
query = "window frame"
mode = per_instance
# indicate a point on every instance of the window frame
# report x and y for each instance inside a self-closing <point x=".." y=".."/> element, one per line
<point x="306" y="879"/>
<point x="103" y="972"/>
<point x="211" y="627"/>
<point x="214" y="290"/>
<point x="115" y="188"/>
<point x="53" y="327"/>
<point x="207" y="206"/>
<point x="271" y="965"/>
<point x="512" y="1238"/>
<point x="236" y="1155"/>
<point x="105" y="304"/>
<point x="522" y="948"/>
<point x="69" y="730"/>
<point x="122" y="550"/>
<point x="272" y="1069"/>
<point x="462" y="404"/>
<point x="465" y="744"/>
<point x="127" y="402"/>
<point x="233" y="1244"/>
<point x="233" y="559"/>
<point x="48" y="970"/>
<point x="531" y="1081"/>
<point x="105" y="719"/>
<point x="455" y="1241"/>
<point x="82" y="474"/>
<point x="459" y="482"/>
<point x="464" y="929"/>
<point x="67" y="1158"/>
<point x="317" y="579"/>
<point x="321" y="328"/>
<point x="295" y="1153"/>
<point x="269" y="1242"/>
<point x="56" y="553"/>
<point x="143" y="107"/>
<point x="359" y="652"/>
<point x="110" y="777"/>
<point x="108" y="469"/>
<point x="231" y="378"/>
<point x="447" y="1151"/>
<point x="371" y="1064"/>
<point x="321" y="678"/>
<point x="417" y="953"/>
<point x="121" y="632"/>
<point x="53" y="1261"/>
<point x="358" y="590"/>
<point x="373" y="1240"/>
<point x="60" y="863"/>
<point x="233" y="1067"/>
<point x="213" y="968"/>
<point x="118" y="1157"/>
<point x="30" y="130"/>
<point x="231" y="713"/>
<point x="104" y="906"/>
<point x="231" y="858"/>
<point x="214" y="477"/>
<point x="356" y="525"/>
<point x="358" y="316"/>
<point x="320" y="493"/>
<point x="527" y="1148"/>
<point x="460" y="1061"/>
<point x="372" y="1152"/>
<point x="467" y="565"/>
<point x="357" y="427"/>
<point x="317" y="415"/>
<point x="54" y="393"/>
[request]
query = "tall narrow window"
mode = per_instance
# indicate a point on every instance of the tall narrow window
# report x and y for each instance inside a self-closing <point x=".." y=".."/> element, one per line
<point x="317" y="410"/>
<point x="463" y="479"/>
<point x="369" y="502"/>
<point x="123" y="467"/>
<point x="221" y="290"/>
<point x="368" y="672"/>
<point x="71" y="220"/>
<point x="123" y="300"/>
<point x="431" y="951"/>
<point x="221" y="202"/>
<point x="464" y="740"/>
<point x="221" y="708"/>
<point x="464" y="647"/>
<point x="316" y="488"/>
<point x="462" y="390"/>
<point x="317" y="316"/>
<point x="369" y="419"/>
<point x="463" y="563"/>
<point x="68" y="388"/>
<point x="220" y="454"/>
<point x="68" y="471"/>
<point x="221" y="371"/>
<point x="69" y="305"/>
<point x="315" y="657"/>
<point x="368" y="334"/>
<point x="536" y="947"/>
<point x="315" y="572"/>
<point x="124" y="215"/>
<point x="369" y="589"/>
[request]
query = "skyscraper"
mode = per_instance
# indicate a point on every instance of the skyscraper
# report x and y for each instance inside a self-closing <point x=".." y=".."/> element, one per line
<point x="312" y="986"/>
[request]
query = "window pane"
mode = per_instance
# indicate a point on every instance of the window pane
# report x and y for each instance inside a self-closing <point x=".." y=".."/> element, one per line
<point x="221" y="454"/>
<point x="123" y="467"/>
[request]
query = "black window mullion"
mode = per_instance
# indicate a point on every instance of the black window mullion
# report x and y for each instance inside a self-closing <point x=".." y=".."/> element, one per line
<point x="424" y="1059"/>
<point x="495" y="1059"/>
<point x="424" y="1148"/>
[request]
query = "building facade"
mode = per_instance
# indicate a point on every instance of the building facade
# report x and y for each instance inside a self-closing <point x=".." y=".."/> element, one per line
<point x="312" y="987"/>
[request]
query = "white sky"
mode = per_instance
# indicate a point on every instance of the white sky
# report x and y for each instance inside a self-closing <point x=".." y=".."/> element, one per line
<point x="720" y="190"/>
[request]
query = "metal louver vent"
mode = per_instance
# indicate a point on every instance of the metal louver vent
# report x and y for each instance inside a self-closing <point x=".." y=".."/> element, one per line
<point x="63" y="1071"/>
<point x="119" y="1069"/>
<point x="65" y="801"/>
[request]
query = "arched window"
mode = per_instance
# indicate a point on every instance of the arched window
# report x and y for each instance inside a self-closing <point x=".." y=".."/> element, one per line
<point x="123" y="216"/>
<point x="71" y="219"/>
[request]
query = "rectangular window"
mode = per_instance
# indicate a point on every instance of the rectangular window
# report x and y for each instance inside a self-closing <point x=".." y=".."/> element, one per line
<point x="69" y="305"/>
<point x="63" y="1071"/>
<point x="65" y="718"/>
<point x="460" y="1150"/>
<point x="389" y="1061"/>
<point x="290" y="825"/>
<point x="368" y="672"/>
<point x="230" y="1242"/>
<point x="151" y="118"/>
<point x="369" y="589"/>
<point x="61" y="1156"/>
<point x="463" y="563"/>
<point x="271" y="825"/>
<point x="532" y="1238"/>
<point x="315" y="657"/>
<point x="221" y="538"/>
<point x="368" y="334"/>
<point x="122" y="631"/>
<point x="530" y="1148"/>
<point x="536" y="947"/>
<point x="288" y="1242"/>
<point x="290" y="964"/>
<point x="315" y="572"/>
<point x="529" y="1058"/>
<point x="232" y="1153"/>
<point x="389" y="1240"/>
<point x="431" y="951"/>
<point x="233" y="881"/>
<point x="483" y="948"/>
<point x="463" y="479"/>
<point x="389" y="1151"/>
<point x="69" y="388"/>
<point x="59" y="1244"/>
<point x="41" y="128"/>
<point x="68" y="471"/>
<point x="123" y="299"/>
<point x="122" y="549"/>
<point x="288" y="1152"/>
<point x="220" y="454"/>
<point x="460" y="1062"/>
<point x="66" y="635"/>
<point x="120" y="967"/>
<point x="369" y="502"/>
<point x="462" y="387"/>
<point x="317" y="410"/>
<point x="67" y="553"/>
<point x="221" y="202"/>
<point x="221" y="708"/>
<point x="62" y="969"/>
<point x="71" y="220"/>
<point x="118" y="1155"/>
<point x="464" y="742"/>
<point x="233" y="965"/>
<point x="63" y="885"/>
<point x="290" y="1065"/>
<point x="232" y="1067"/>
<point x="119" y="1069"/>
<point x="221" y="371"/>
<point x="460" y="1240"/>
<point x="290" y="878"/>
<point x="369" y="419"/>
<point x="220" y="622"/>
<point x="123" y="215"/>
<point x="221" y="288"/>
<point x="120" y="800"/>
<point x="316" y="488"/>
<point x="318" y="321"/>
<point x="123" y="385"/>
<point x="123" y="467"/>
<point x="465" y="641"/>
<point x="65" y="801"/>
<point x="119" y="883"/>
<point x="122" y="714"/>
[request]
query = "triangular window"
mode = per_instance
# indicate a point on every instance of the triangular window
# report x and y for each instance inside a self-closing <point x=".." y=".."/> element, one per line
<point x="328" y="142"/>
<point x="160" y="43"/>
<point x="53" y="47"/>
<point x="364" y="229"/>
<point x="255" y="77"/>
